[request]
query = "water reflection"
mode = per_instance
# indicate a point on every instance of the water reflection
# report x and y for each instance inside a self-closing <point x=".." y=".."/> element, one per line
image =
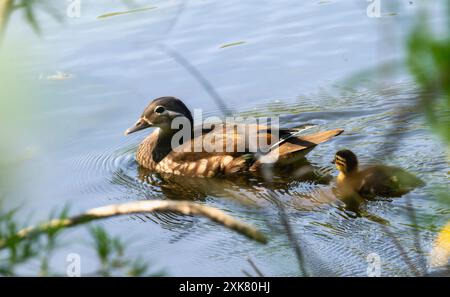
<point x="195" y="188"/>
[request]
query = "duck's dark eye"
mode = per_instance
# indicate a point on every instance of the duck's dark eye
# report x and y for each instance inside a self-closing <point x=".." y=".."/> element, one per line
<point x="159" y="109"/>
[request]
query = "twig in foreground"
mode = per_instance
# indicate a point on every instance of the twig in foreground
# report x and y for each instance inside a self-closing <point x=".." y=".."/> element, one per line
<point x="182" y="207"/>
<point x="290" y="233"/>
<point x="257" y="270"/>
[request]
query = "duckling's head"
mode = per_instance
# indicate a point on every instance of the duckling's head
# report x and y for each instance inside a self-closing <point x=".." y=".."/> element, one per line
<point x="160" y="113"/>
<point x="346" y="161"/>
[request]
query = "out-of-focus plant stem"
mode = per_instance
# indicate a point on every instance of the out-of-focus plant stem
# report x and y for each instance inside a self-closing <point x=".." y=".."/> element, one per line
<point x="428" y="61"/>
<point x="5" y="12"/>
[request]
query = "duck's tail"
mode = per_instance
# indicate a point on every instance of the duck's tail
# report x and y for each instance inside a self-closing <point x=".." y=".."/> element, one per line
<point x="294" y="148"/>
<point x="320" y="137"/>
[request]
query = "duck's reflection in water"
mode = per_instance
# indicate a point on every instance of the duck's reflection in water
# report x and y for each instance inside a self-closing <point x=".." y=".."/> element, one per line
<point x="242" y="185"/>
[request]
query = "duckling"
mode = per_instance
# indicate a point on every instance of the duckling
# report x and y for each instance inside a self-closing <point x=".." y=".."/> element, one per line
<point x="159" y="154"/>
<point x="376" y="180"/>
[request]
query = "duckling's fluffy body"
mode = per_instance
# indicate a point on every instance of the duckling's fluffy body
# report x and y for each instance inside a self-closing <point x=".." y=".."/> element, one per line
<point x="370" y="181"/>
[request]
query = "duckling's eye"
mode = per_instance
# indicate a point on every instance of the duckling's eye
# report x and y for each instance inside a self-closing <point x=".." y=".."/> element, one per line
<point x="160" y="109"/>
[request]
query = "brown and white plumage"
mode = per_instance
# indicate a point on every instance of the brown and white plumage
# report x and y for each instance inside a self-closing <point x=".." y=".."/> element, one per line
<point x="156" y="152"/>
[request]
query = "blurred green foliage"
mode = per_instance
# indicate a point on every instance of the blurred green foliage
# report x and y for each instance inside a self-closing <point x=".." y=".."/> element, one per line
<point x="29" y="9"/>
<point x="429" y="63"/>
<point x="16" y="104"/>
<point x="16" y="251"/>
<point x="110" y="252"/>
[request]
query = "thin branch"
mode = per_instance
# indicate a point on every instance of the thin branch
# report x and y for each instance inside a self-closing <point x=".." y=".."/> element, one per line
<point x="5" y="12"/>
<point x="417" y="238"/>
<point x="393" y="136"/>
<point x="257" y="270"/>
<point x="290" y="234"/>
<point x="104" y="212"/>
<point x="403" y="253"/>
<point x="174" y="21"/>
<point x="197" y="75"/>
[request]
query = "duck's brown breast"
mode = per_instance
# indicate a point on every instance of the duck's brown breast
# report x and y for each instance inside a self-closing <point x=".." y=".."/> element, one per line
<point x="144" y="152"/>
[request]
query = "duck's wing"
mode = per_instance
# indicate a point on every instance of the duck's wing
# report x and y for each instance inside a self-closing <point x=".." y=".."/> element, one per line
<point x="293" y="145"/>
<point x="387" y="181"/>
<point x="220" y="150"/>
<point x="320" y="137"/>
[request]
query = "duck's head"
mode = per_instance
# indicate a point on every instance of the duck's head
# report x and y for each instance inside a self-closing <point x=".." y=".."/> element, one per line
<point x="160" y="113"/>
<point x="345" y="161"/>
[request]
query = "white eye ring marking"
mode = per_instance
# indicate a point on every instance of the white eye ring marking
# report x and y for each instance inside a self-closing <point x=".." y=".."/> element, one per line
<point x="160" y="109"/>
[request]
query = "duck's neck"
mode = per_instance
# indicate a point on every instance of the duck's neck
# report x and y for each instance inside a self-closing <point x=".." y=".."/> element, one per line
<point x="343" y="176"/>
<point x="162" y="146"/>
<point x="164" y="143"/>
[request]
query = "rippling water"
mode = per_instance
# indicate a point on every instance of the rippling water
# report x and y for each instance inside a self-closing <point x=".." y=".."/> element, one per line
<point x="306" y="62"/>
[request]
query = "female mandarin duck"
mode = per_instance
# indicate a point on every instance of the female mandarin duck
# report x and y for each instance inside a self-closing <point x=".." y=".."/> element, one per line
<point x="376" y="180"/>
<point x="157" y="152"/>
